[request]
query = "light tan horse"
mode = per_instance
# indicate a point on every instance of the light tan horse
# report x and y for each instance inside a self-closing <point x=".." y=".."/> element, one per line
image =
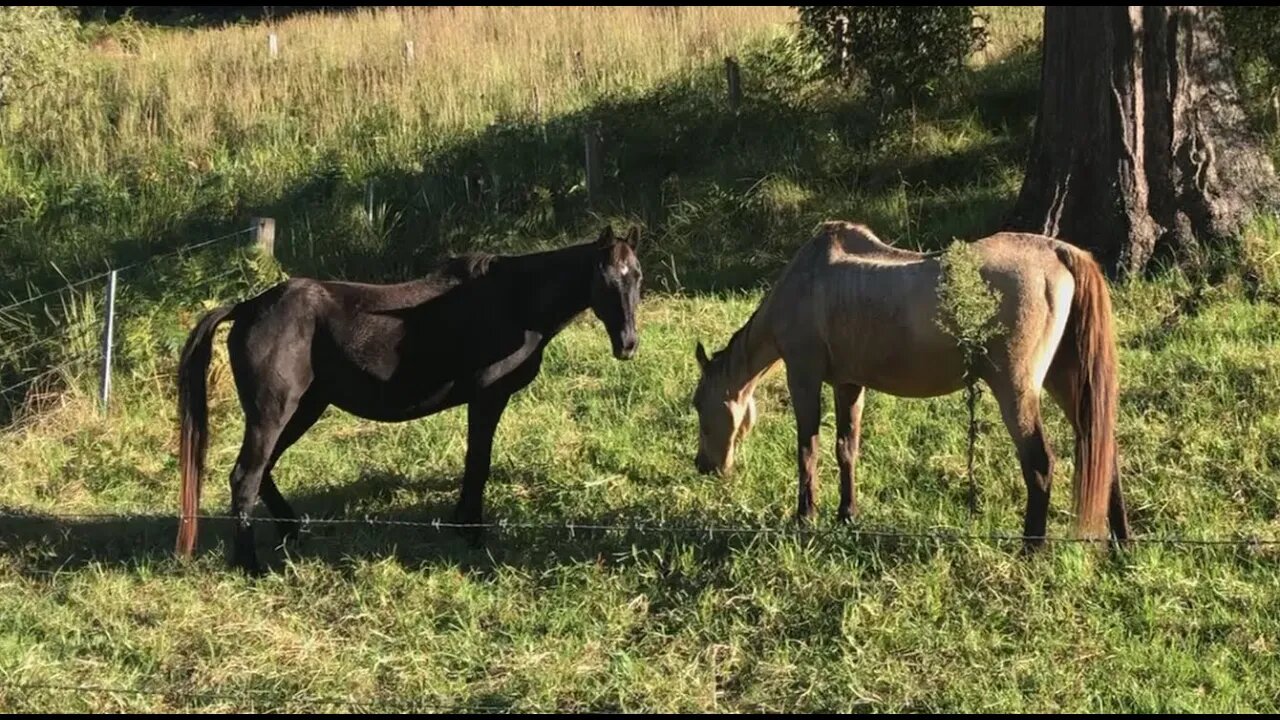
<point x="855" y="313"/>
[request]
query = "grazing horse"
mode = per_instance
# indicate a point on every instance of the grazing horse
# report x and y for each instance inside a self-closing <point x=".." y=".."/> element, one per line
<point x="472" y="332"/>
<point x="858" y="314"/>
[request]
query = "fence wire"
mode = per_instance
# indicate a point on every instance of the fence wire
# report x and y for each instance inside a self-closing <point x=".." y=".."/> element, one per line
<point x="68" y="363"/>
<point x="103" y="275"/>
<point x="658" y="527"/>
<point x="260" y="698"/>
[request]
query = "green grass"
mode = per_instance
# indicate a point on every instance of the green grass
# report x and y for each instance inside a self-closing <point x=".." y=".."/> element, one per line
<point x="542" y="619"/>
<point x="545" y="619"/>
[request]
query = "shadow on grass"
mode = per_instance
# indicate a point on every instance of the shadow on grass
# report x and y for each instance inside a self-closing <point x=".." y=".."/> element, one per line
<point x="38" y="544"/>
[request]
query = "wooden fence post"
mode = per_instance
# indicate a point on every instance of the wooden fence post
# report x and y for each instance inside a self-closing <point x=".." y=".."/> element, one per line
<point x="595" y="169"/>
<point x="264" y="235"/>
<point x="733" y="77"/>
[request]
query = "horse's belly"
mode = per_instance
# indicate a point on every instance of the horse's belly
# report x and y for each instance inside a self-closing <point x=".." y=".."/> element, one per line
<point x="397" y="401"/>
<point x="913" y="386"/>
<point x="420" y="390"/>
<point x="920" y="375"/>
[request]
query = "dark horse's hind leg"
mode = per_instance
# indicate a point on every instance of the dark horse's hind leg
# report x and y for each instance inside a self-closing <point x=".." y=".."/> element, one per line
<point x="267" y="414"/>
<point x="483" y="415"/>
<point x="309" y="411"/>
<point x="260" y="437"/>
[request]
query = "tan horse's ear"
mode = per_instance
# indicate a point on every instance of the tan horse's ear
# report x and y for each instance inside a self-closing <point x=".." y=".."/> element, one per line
<point x="606" y="236"/>
<point x="633" y="238"/>
<point x="701" y="354"/>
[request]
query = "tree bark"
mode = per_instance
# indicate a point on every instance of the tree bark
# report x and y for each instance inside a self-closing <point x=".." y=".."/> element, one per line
<point x="1140" y="146"/>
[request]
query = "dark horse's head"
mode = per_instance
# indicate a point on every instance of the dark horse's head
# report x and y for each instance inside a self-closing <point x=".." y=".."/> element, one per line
<point x="615" y="289"/>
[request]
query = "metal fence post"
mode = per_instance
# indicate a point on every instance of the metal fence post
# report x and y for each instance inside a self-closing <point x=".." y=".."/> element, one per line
<point x="108" y="330"/>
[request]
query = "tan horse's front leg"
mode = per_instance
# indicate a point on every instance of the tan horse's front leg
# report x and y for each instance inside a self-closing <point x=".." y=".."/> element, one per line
<point x="806" y="401"/>
<point x="849" y="402"/>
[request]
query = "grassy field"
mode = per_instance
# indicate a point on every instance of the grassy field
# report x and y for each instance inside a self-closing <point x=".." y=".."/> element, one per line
<point x="548" y="618"/>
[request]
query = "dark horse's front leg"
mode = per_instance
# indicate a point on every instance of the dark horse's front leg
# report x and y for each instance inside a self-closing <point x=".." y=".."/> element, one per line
<point x="483" y="415"/>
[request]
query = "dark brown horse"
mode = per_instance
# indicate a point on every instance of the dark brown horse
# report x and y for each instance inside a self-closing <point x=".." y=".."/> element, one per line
<point x="473" y="332"/>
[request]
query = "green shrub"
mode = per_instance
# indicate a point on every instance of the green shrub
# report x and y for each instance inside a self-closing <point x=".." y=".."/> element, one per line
<point x="903" y="52"/>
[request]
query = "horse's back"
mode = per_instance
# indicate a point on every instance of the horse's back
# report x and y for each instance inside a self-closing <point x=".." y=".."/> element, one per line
<point x="846" y="242"/>
<point x="376" y="298"/>
<point x="872" y="311"/>
<point x="1024" y="265"/>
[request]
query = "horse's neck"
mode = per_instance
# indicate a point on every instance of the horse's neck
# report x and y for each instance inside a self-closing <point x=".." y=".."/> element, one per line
<point x="751" y="353"/>
<point x="558" y="287"/>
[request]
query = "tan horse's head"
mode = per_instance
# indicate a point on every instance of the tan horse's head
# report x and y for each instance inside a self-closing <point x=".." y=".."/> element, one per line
<point x="725" y="414"/>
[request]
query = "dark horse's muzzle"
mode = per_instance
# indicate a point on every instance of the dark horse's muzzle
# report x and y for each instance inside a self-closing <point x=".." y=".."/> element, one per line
<point x="624" y="348"/>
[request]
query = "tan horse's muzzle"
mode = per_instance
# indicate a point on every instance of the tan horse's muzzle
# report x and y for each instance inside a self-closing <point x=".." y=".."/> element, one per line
<point x="707" y="466"/>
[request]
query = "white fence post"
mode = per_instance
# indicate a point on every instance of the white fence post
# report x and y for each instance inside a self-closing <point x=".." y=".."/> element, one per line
<point x="108" y="330"/>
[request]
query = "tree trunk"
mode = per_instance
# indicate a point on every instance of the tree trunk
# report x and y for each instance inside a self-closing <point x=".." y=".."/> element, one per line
<point x="1140" y="147"/>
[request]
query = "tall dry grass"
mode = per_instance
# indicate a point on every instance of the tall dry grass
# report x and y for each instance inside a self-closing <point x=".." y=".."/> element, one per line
<point x="200" y="93"/>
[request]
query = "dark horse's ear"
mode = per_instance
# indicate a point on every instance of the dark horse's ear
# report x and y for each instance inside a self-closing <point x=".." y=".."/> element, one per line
<point x="606" y="236"/>
<point x="701" y="353"/>
<point x="633" y="238"/>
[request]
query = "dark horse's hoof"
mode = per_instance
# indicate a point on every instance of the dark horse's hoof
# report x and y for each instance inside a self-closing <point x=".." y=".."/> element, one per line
<point x="246" y="561"/>
<point x="844" y="518"/>
<point x="474" y="536"/>
<point x="469" y="527"/>
<point x="251" y="568"/>
<point x="1032" y="546"/>
<point x="291" y="536"/>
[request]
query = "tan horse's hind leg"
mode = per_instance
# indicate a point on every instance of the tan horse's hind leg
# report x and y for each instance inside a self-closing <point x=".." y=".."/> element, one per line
<point x="849" y="402"/>
<point x="1020" y="408"/>
<point x="1058" y="383"/>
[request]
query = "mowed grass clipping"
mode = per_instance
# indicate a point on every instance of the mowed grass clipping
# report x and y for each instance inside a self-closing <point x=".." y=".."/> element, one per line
<point x="696" y="611"/>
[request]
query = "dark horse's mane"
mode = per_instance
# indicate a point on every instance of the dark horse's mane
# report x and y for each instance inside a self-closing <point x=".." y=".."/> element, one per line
<point x="450" y="273"/>
<point x="469" y="266"/>
<point x="475" y="265"/>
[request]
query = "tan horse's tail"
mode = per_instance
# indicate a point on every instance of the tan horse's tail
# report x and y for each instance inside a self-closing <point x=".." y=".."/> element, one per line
<point x="1086" y="363"/>
<point x="193" y="411"/>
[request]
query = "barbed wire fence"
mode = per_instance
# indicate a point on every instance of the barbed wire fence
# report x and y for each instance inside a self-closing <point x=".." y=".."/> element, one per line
<point x="58" y="336"/>
<point x="937" y="535"/>
<point x="186" y="697"/>
<point x="82" y="339"/>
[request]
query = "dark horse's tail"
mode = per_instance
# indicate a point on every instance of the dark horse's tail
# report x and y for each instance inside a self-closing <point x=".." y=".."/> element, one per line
<point x="193" y="411"/>
<point x="1086" y="359"/>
